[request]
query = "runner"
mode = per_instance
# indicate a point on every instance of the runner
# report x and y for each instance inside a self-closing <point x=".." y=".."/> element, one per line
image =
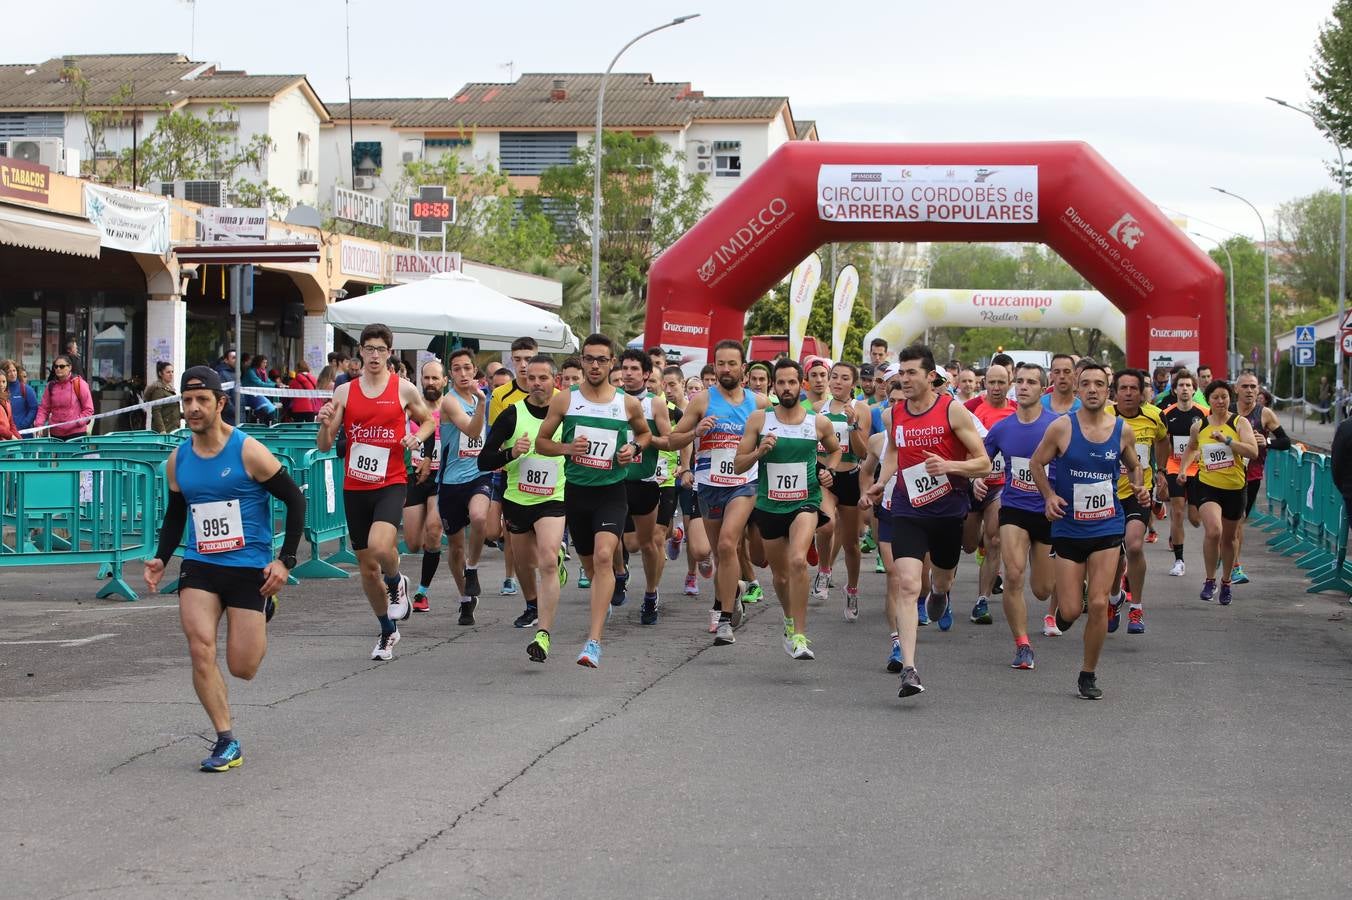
<point x="223" y="478"/>
<point x="877" y="352"/>
<point x="463" y="493"/>
<point x="965" y="387"/>
<point x="1267" y="433"/>
<point x="595" y="419"/>
<point x="872" y="467"/>
<point x="982" y="526"/>
<point x="532" y="502"/>
<point x="1087" y="446"/>
<point x="1062" y="397"/>
<point x="849" y="420"/>
<point x="698" y="553"/>
<point x="717" y="417"/>
<point x="1179" y="417"/>
<point x="758" y="378"/>
<point x="422" y="523"/>
<point x="784" y="444"/>
<point x="1222" y="443"/>
<point x="643" y="488"/>
<point x="371" y="412"/>
<point x="1152" y="443"/>
<point x="933" y="444"/>
<point x="1025" y="533"/>
<point x="523" y="350"/>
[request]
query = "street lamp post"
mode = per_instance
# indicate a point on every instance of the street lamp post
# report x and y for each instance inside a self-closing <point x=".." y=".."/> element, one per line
<point x="596" y="184"/>
<point x="1342" y="257"/>
<point x="1231" y="262"/>
<point x="1267" y="289"/>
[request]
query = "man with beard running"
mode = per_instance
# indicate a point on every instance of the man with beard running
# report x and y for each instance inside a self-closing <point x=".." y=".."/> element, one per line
<point x="603" y="432"/>
<point x="532" y="501"/>
<point x="371" y="411"/>
<point x="933" y="444"/>
<point x="1269" y="434"/>
<point x="464" y="493"/>
<point x="1087" y="446"/>
<point x="717" y="418"/>
<point x="783" y="442"/>
<point x="422" y="524"/>
<point x="1152" y="442"/>
<point x="219" y="481"/>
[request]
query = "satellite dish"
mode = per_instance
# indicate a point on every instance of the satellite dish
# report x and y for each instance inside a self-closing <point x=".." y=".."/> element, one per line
<point x="306" y="216"/>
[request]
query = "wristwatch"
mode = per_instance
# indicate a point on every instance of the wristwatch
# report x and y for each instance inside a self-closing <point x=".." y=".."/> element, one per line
<point x="288" y="560"/>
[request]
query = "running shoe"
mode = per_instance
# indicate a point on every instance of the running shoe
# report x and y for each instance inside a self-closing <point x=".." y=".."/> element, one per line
<point x="1238" y="576"/>
<point x="789" y="632"/>
<point x="910" y="683"/>
<point x="800" y="648"/>
<point x="866" y="543"/>
<point x="819" y="587"/>
<point x="590" y="655"/>
<point x="920" y="612"/>
<point x="714" y="616"/>
<point x="691" y="586"/>
<point x="1151" y="537"/>
<point x="1136" y="621"/>
<point x="563" y="568"/>
<point x="648" y="614"/>
<point x="384" y="648"/>
<point x="1023" y="657"/>
<point x="225" y="755"/>
<point x="894" y="658"/>
<point x="399" y="607"/>
<point x="1208" y="589"/>
<point x="738" y="611"/>
<point x="467" y="608"/>
<point x="723" y="634"/>
<point x="946" y="620"/>
<point x="706" y="567"/>
<point x="980" y="555"/>
<point x="621" y="593"/>
<point x="472" y="588"/>
<point x="563" y="548"/>
<point x="1224" y="597"/>
<point x="421" y="603"/>
<point x="1178" y="569"/>
<point x="674" y="543"/>
<point x="935" y="605"/>
<point x="528" y="618"/>
<point x="538" y="649"/>
<point x="981" y="613"/>
<point x="271" y="609"/>
<point x="754" y="593"/>
<point x="1049" y="628"/>
<point x="1160" y="510"/>
<point x="878" y="567"/>
<point x="998" y="586"/>
<point x="812" y="558"/>
<point x="1115" y="611"/>
<point x="1088" y="686"/>
<point x="851" y="604"/>
<point x="509" y="588"/>
<point x="582" y="580"/>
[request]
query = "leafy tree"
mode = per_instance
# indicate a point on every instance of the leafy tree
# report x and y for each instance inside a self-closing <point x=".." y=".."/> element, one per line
<point x="770" y="314"/>
<point x="1331" y="74"/>
<point x="647" y="202"/>
<point x="1248" y="260"/>
<point x="1309" y="228"/>
<point x="621" y="316"/>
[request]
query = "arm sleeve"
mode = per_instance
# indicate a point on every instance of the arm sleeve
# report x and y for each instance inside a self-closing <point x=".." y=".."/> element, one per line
<point x="493" y="456"/>
<point x="171" y="534"/>
<point x="1279" y="439"/>
<point x="284" y="489"/>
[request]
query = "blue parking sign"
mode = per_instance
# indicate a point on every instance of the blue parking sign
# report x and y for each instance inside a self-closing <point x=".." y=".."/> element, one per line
<point x="1303" y="356"/>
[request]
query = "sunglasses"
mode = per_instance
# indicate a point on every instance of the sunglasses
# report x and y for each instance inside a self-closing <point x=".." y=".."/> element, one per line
<point x="61" y="366"/>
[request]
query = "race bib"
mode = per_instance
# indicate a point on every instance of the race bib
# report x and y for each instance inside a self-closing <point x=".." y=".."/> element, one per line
<point x="538" y="476"/>
<point x="1142" y="454"/>
<point x="663" y="470"/>
<point x="1021" y="474"/>
<point x="367" y="463"/>
<point x="787" y="481"/>
<point x="469" y="445"/>
<point x="842" y="430"/>
<point x="1094" y="501"/>
<point x="922" y="488"/>
<point x="1217" y="456"/>
<point x="218" y="526"/>
<point x="1180" y="446"/>
<point x="601" y="447"/>
<point x="435" y="458"/>
<point x="997" y="475"/>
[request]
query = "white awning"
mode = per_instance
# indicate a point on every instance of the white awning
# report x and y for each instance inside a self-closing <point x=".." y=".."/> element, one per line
<point x="36" y="229"/>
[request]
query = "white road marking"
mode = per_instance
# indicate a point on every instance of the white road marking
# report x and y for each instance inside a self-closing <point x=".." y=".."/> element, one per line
<point x="71" y="642"/>
<point x="126" y="608"/>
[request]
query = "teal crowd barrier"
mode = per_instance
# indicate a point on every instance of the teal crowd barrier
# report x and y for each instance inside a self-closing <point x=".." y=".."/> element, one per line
<point x="325" y="515"/>
<point x="1307" y="518"/>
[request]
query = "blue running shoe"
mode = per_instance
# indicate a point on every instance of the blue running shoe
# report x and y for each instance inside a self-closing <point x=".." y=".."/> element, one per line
<point x="946" y="620"/>
<point x="648" y="614"/>
<point x="1237" y="576"/>
<point x="225" y="755"/>
<point x="590" y="655"/>
<point x="1224" y="597"/>
<point x="981" y="613"/>
<point x="582" y="580"/>
<point x="894" y="662"/>
<point x="620" y="597"/>
<point x="1115" y="611"/>
<point x="1023" y="657"/>
<point x="920" y="608"/>
<point x="1208" y="589"/>
<point x="1136" y="620"/>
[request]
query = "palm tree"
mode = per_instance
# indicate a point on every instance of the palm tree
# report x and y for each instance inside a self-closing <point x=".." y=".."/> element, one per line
<point x="622" y="315"/>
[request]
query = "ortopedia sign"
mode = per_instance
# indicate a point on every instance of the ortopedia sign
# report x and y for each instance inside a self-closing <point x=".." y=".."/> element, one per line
<point x="362" y="260"/>
<point x="985" y="194"/>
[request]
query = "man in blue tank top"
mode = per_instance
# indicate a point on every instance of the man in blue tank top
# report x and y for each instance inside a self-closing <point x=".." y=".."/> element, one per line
<point x="223" y="479"/>
<point x="1087" y="520"/>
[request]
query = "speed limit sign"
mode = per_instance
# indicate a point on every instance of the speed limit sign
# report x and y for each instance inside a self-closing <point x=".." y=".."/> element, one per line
<point x="1347" y="343"/>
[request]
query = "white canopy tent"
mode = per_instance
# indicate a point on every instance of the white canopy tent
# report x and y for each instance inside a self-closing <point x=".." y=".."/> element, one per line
<point x="454" y="304"/>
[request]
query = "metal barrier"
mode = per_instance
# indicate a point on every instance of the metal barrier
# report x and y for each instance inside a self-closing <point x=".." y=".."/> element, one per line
<point x="1309" y="518"/>
<point x="325" y="517"/>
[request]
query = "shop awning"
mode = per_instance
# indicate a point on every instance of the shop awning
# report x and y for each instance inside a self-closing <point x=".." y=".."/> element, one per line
<point x="36" y="229"/>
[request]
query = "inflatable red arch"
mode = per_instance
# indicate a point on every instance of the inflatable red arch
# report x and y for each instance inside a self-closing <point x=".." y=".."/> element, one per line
<point x="1061" y="194"/>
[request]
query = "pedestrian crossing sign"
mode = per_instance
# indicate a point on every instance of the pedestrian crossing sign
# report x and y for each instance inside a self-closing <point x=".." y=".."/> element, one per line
<point x="1304" y="335"/>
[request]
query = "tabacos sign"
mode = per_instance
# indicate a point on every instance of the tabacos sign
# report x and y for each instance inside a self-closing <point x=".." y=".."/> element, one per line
<point x="24" y="180"/>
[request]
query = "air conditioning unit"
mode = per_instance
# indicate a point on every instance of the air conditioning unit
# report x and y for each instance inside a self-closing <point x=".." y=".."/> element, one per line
<point x="163" y="188"/>
<point x="207" y="193"/>
<point x="305" y="176"/>
<point x="410" y="151"/>
<point x="701" y="149"/>
<point x="45" y="151"/>
<point x="364" y="183"/>
<point x="702" y="166"/>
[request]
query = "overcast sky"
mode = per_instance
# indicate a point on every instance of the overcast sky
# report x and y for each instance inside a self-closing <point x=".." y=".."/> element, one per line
<point x="1169" y="91"/>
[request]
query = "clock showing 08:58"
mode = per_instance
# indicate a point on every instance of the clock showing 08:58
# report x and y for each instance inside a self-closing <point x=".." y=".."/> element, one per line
<point x="431" y="210"/>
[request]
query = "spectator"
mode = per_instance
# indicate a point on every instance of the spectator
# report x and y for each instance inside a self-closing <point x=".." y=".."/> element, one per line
<point x="1325" y="400"/>
<point x="225" y="367"/>
<point x="326" y="377"/>
<point x="7" y="430"/>
<point x="166" y="417"/>
<point x="1340" y="458"/>
<point x="67" y="404"/>
<point x="256" y="376"/>
<point x="77" y="368"/>
<point x="303" y="409"/>
<point x="351" y="373"/>
<point x="23" y="400"/>
<point x="1160" y="381"/>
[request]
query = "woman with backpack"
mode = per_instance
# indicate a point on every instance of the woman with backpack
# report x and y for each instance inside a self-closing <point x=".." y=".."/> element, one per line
<point x="67" y="404"/>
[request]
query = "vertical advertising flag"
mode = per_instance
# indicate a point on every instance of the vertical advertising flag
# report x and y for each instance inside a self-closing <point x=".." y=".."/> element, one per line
<point x="847" y="288"/>
<point x="802" y="288"/>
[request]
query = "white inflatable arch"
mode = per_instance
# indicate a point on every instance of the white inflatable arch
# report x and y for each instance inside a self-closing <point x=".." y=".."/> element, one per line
<point x="931" y="308"/>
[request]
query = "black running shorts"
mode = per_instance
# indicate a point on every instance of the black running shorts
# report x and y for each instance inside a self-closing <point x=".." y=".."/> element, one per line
<point x="1078" y="550"/>
<point x="521" y="518"/>
<point x="666" y="505"/>
<point x="1035" y="523"/>
<point x="1132" y="509"/>
<point x="365" y="508"/>
<point x="939" y="536"/>
<point x="593" y="509"/>
<point x="845" y="485"/>
<point x="1254" y="490"/>
<point x="775" y="526"/>
<point x="237" y="586"/>
<point x="453" y="501"/>
<point x="1231" y="501"/>
<point x="418" y="494"/>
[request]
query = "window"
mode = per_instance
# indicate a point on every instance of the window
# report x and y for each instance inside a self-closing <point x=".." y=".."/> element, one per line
<point x="302" y="150"/>
<point x="366" y="156"/>
<point x="531" y="152"/>
<point x="728" y="159"/>
<point x="32" y="125"/>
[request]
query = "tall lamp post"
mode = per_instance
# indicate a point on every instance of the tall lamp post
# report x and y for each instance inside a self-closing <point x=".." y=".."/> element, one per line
<point x="1229" y="260"/>
<point x="1342" y="256"/>
<point x="596" y="185"/>
<point x="1267" y="288"/>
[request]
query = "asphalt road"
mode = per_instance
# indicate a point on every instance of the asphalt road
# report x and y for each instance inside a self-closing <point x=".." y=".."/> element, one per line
<point x="1216" y="765"/>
